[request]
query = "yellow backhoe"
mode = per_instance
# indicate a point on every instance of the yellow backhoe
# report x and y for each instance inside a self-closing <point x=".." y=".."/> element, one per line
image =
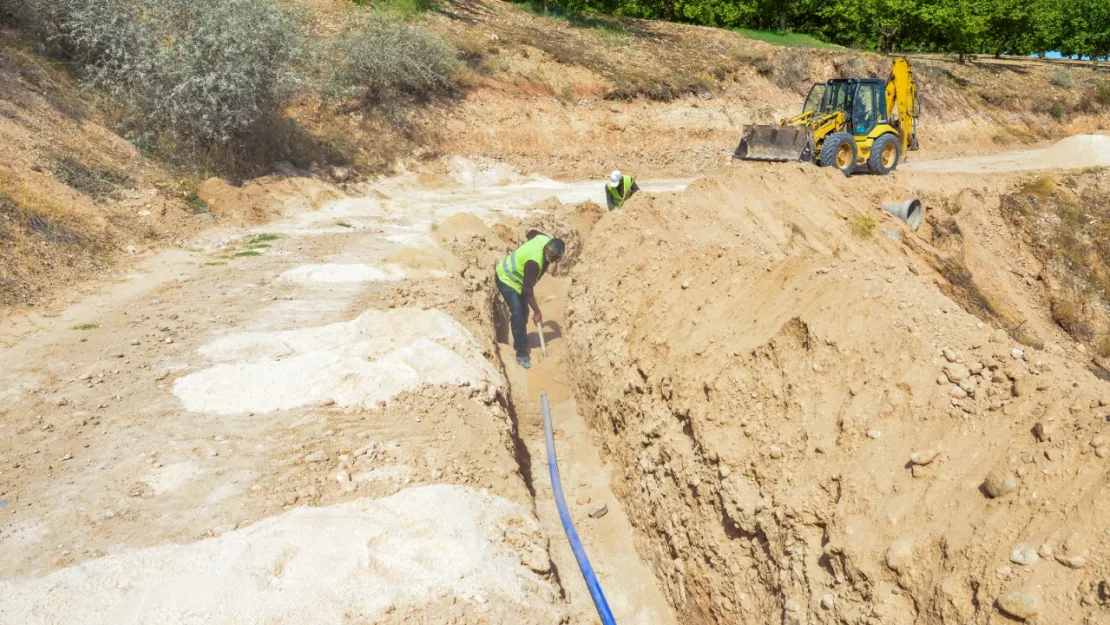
<point x="852" y="124"/>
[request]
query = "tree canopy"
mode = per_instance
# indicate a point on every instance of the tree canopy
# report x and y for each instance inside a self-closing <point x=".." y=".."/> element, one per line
<point x="1016" y="27"/>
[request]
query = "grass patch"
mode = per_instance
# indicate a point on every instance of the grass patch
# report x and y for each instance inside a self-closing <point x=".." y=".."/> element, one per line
<point x="247" y="253"/>
<point x="263" y="238"/>
<point x="999" y="140"/>
<point x="787" y="39"/>
<point x="215" y="263"/>
<point x="1041" y="186"/>
<point x="259" y="246"/>
<point x="1062" y="78"/>
<point x="862" y="225"/>
<point x="343" y="224"/>
<point x="86" y="326"/>
<point x="196" y="204"/>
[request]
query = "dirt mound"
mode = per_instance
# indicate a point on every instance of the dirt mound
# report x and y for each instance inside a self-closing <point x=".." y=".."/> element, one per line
<point x="264" y="198"/>
<point x="809" y="431"/>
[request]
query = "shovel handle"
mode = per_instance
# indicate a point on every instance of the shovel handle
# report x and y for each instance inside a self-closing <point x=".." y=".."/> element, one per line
<point x="543" y="344"/>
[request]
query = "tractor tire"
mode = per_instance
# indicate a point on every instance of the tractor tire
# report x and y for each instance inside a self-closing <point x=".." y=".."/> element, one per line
<point x="840" y="151"/>
<point x="884" y="156"/>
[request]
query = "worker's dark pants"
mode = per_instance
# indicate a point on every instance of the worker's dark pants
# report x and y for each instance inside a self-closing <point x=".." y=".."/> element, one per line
<point x="518" y="316"/>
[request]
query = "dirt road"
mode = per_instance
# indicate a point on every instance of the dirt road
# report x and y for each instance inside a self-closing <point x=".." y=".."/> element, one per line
<point x="305" y="419"/>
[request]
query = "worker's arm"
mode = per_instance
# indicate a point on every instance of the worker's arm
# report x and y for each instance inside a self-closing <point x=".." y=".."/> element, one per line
<point x="609" y="199"/>
<point x="531" y="275"/>
<point x="633" y="189"/>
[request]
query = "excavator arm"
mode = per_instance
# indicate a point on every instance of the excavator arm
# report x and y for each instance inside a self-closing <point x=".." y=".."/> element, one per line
<point x="901" y="103"/>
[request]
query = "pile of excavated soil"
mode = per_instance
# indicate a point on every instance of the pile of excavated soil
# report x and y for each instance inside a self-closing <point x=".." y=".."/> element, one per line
<point x="806" y="430"/>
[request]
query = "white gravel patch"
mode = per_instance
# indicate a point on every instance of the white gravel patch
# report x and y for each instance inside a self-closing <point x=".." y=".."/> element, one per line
<point x="353" y="363"/>
<point x="353" y="562"/>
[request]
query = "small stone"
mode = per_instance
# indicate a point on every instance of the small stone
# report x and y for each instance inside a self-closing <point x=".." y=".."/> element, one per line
<point x="169" y="339"/>
<point x="685" y="284"/>
<point x="536" y="559"/>
<point x="316" y="456"/>
<point x="135" y="342"/>
<point x="1024" y="554"/>
<point x="599" y="511"/>
<point x="1017" y="354"/>
<point x="583" y="500"/>
<point x="85" y="376"/>
<point x="1042" y="432"/>
<point x="775" y="452"/>
<point x="900" y="555"/>
<point x="957" y="392"/>
<point x="828" y="602"/>
<point x="1072" y="562"/>
<point x="942" y="380"/>
<point x="969" y="386"/>
<point x="999" y="482"/>
<point x="791" y="606"/>
<point x="67" y="457"/>
<point x="1045" y="550"/>
<point x="975" y="368"/>
<point x="1102" y="452"/>
<point x="117" y="355"/>
<point x="342" y="476"/>
<point x="925" y="457"/>
<point x="1098" y="441"/>
<point x="1019" y="605"/>
<point x="956" y="372"/>
<point x="949" y="355"/>
<point x="873" y="434"/>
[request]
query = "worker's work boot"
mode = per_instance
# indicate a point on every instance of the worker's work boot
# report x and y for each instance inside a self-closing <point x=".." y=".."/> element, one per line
<point x="524" y="360"/>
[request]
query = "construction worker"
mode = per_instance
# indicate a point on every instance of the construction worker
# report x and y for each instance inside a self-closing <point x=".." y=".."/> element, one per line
<point x="619" y="189"/>
<point x="517" y="276"/>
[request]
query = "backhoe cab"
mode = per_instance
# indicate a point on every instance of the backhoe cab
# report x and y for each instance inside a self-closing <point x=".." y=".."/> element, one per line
<point x="847" y="123"/>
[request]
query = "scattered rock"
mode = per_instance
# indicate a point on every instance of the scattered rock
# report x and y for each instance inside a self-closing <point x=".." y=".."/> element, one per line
<point x="1043" y="432"/>
<point x="1072" y="562"/>
<point x="340" y="174"/>
<point x="900" y="555"/>
<point x="791" y="606"/>
<point x="342" y="476"/>
<point x="1019" y="605"/>
<point x="975" y="368"/>
<point x="958" y="392"/>
<point x="583" y="500"/>
<point x="117" y="355"/>
<point x="169" y="339"/>
<point x="956" y="372"/>
<point x="1045" y="550"/>
<point x="317" y="456"/>
<point x="874" y="434"/>
<point x="1024" y="554"/>
<point x="536" y="559"/>
<point x="999" y="482"/>
<point x="925" y="457"/>
<point x="1017" y="354"/>
<point x="775" y="452"/>
<point x="1098" y="441"/>
<point x="1102" y="452"/>
<point x="599" y="511"/>
<point x="135" y="342"/>
<point x="949" y="355"/>
<point x="828" y="602"/>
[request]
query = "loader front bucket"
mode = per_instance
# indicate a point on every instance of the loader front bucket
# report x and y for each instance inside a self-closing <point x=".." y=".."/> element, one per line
<point x="776" y="143"/>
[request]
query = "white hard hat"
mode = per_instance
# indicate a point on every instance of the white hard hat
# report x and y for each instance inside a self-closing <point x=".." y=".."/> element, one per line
<point x="615" y="177"/>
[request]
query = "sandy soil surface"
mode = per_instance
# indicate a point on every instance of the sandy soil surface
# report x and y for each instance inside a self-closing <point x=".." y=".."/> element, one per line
<point x="775" y="389"/>
<point x="306" y="420"/>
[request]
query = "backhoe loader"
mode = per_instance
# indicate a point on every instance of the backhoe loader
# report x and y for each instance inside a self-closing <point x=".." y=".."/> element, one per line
<point x="847" y="123"/>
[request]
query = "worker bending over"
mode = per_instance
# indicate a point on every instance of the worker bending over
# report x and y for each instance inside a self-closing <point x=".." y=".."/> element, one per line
<point x="517" y="276"/>
<point x="619" y="189"/>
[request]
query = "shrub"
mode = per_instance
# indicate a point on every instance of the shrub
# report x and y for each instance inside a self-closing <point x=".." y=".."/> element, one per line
<point x="1056" y="111"/>
<point x="202" y="70"/>
<point x="1062" y="78"/>
<point x="862" y="225"/>
<point x="1102" y="92"/>
<point x="388" y="64"/>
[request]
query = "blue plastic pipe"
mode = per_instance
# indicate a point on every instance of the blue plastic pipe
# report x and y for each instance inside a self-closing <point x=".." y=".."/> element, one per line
<point x="568" y="525"/>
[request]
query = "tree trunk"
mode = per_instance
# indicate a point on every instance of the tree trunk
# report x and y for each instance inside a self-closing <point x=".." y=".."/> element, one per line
<point x="782" y="20"/>
<point x="668" y="10"/>
<point x="1094" y="61"/>
<point x="545" y="7"/>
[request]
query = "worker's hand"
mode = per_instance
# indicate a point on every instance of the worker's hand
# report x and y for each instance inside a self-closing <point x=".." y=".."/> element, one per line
<point x="537" y="318"/>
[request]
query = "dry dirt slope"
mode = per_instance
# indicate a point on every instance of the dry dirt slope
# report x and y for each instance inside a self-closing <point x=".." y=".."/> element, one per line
<point x="809" y="431"/>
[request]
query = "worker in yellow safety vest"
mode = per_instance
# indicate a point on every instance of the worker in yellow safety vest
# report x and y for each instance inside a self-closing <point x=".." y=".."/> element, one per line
<point x="516" y="279"/>
<point x="619" y="189"/>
